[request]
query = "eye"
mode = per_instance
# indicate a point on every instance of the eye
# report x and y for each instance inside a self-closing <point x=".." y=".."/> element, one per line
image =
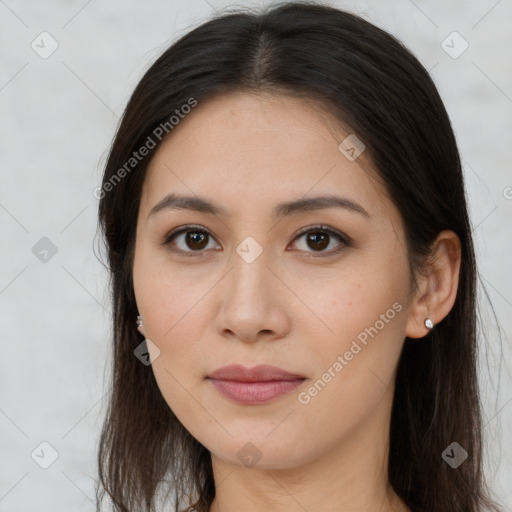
<point x="196" y="239"/>
<point x="319" y="237"/>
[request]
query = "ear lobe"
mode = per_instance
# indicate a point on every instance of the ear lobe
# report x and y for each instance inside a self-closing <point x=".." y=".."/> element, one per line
<point x="438" y="290"/>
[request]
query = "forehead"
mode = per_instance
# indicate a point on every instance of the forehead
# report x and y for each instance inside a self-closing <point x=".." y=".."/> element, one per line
<point x="244" y="149"/>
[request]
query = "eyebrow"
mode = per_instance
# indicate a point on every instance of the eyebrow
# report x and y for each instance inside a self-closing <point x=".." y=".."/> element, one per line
<point x="307" y="204"/>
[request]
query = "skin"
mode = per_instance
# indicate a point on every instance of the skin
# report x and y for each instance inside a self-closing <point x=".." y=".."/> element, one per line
<point x="290" y="307"/>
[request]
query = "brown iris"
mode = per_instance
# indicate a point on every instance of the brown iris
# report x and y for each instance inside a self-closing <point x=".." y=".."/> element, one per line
<point x="196" y="240"/>
<point x="320" y="240"/>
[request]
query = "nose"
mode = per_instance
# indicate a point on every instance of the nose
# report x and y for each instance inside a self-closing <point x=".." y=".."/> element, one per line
<point x="253" y="301"/>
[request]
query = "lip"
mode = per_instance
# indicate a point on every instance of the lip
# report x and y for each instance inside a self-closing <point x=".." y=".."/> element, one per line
<point x="256" y="385"/>
<point x="260" y="373"/>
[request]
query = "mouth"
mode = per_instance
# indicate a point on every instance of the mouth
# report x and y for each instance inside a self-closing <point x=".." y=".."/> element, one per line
<point x="257" y="385"/>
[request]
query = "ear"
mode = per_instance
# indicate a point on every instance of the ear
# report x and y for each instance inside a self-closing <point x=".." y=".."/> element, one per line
<point x="438" y="289"/>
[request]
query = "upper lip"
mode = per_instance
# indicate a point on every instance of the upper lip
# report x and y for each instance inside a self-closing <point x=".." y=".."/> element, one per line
<point x="260" y="373"/>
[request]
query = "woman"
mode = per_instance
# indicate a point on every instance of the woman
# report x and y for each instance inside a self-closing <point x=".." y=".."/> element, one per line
<point x="293" y="277"/>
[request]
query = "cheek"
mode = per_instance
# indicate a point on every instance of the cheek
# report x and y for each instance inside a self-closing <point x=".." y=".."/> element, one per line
<point x="363" y="315"/>
<point x="344" y="308"/>
<point x="167" y="296"/>
<point x="177" y="318"/>
<point x="354" y="367"/>
<point x="171" y="304"/>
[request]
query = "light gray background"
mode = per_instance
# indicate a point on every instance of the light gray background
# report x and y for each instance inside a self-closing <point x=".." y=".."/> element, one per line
<point x="58" y="116"/>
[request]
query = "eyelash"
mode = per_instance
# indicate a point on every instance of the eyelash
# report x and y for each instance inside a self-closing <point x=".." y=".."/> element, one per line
<point x="346" y="241"/>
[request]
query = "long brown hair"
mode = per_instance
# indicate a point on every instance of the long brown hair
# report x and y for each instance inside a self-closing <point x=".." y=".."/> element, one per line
<point x="369" y="81"/>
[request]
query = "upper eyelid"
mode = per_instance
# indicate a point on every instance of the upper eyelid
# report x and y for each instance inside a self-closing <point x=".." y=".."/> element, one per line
<point x="184" y="229"/>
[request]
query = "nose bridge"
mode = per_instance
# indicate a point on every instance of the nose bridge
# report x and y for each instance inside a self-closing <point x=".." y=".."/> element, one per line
<point x="249" y="267"/>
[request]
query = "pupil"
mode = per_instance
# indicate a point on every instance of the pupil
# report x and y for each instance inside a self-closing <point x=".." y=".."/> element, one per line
<point x="323" y="240"/>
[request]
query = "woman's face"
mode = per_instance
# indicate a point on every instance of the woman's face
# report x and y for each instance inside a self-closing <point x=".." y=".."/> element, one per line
<point x="254" y="291"/>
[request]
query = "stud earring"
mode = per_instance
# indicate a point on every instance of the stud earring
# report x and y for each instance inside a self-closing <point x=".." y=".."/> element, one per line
<point x="429" y="324"/>
<point x="139" y="322"/>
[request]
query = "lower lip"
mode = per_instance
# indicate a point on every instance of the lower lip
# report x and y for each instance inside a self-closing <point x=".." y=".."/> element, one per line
<point x="255" y="392"/>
